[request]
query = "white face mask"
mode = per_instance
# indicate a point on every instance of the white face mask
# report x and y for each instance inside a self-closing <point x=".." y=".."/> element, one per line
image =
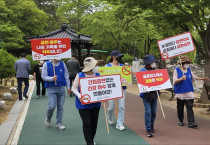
<point x="41" y="61"/>
<point x="153" y="65"/>
<point x="186" y="65"/>
<point x="95" y="70"/>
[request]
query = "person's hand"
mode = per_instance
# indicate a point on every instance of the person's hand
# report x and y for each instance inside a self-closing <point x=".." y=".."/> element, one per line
<point x="183" y="77"/>
<point x="34" y="78"/>
<point x="55" y="78"/>
<point x="206" y="79"/>
<point x="69" y="91"/>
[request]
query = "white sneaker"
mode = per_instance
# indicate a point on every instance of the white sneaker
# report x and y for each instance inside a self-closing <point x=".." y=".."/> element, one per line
<point x="60" y="126"/>
<point x="110" y="121"/>
<point x="47" y="122"/>
<point x="120" y="127"/>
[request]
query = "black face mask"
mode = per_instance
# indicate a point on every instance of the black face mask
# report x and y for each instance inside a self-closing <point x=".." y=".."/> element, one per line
<point x="119" y="59"/>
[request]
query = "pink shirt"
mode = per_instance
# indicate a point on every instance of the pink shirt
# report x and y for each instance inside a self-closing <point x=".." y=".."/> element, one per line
<point x="184" y="96"/>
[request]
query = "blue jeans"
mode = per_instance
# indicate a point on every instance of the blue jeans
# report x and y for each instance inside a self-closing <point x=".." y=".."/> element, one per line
<point x="26" y="82"/>
<point x="56" y="97"/>
<point x="121" y="109"/>
<point x="150" y="113"/>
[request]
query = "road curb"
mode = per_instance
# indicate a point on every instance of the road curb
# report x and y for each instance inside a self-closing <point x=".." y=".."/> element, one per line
<point x="8" y="128"/>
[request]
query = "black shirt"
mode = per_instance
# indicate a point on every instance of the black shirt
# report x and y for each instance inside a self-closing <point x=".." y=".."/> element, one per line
<point x="38" y="71"/>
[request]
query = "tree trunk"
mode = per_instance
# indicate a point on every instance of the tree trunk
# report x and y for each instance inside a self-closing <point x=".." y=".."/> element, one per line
<point x="206" y="41"/>
<point x="204" y="97"/>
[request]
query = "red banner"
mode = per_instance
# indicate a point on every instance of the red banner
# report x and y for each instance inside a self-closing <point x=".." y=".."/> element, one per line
<point x="153" y="80"/>
<point x="50" y="47"/>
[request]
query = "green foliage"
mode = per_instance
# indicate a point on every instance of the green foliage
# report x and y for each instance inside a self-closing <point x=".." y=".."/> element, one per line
<point x="108" y="59"/>
<point x="7" y="62"/>
<point x="33" y="63"/>
<point x="29" y="19"/>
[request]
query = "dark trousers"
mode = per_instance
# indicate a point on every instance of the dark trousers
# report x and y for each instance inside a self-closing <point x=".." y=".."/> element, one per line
<point x="26" y="82"/>
<point x="189" y="106"/>
<point x="90" y="120"/>
<point x="38" y="82"/>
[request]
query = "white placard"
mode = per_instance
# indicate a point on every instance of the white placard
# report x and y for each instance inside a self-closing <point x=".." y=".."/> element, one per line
<point x="176" y="45"/>
<point x="101" y="88"/>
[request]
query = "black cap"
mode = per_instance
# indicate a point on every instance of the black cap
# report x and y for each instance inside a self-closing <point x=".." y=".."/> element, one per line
<point x="149" y="59"/>
<point x="116" y="53"/>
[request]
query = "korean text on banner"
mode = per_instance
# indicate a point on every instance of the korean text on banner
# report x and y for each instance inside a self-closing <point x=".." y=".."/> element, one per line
<point x="153" y="80"/>
<point x="45" y="49"/>
<point x="124" y="71"/>
<point x="97" y="89"/>
<point x="176" y="45"/>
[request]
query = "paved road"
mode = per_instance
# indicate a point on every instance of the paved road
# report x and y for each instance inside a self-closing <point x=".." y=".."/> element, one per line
<point x="167" y="130"/>
<point x="34" y="130"/>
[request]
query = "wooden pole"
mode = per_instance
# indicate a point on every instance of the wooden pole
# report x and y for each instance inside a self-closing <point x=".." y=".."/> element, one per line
<point x="54" y="71"/>
<point x="107" y="126"/>
<point x="181" y="64"/>
<point x="161" y="105"/>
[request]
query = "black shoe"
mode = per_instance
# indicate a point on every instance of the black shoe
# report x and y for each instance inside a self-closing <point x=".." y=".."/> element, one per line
<point x="153" y="130"/>
<point x="181" y="123"/>
<point x="25" y="96"/>
<point x="149" y="133"/>
<point x="192" y="125"/>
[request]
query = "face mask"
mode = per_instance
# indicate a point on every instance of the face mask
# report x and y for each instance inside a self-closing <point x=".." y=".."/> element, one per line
<point x="41" y="61"/>
<point x="186" y="65"/>
<point x="119" y="59"/>
<point x="95" y="70"/>
<point x="153" y="65"/>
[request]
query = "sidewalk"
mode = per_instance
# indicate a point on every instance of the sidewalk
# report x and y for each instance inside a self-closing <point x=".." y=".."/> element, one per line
<point x="168" y="132"/>
<point x="34" y="130"/>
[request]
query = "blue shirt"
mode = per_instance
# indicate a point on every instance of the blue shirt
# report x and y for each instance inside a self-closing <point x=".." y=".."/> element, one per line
<point x="79" y="105"/>
<point x="185" y="85"/>
<point x="22" y="68"/>
<point x="49" y="78"/>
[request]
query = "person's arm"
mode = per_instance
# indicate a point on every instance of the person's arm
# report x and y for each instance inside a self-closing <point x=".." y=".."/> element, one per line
<point x="15" y="66"/>
<point x="66" y="74"/>
<point x="199" y="78"/>
<point x="45" y="76"/>
<point x="75" y="87"/>
<point x="175" y="78"/>
<point x="29" y="66"/>
<point x="78" y="66"/>
<point x="34" y="76"/>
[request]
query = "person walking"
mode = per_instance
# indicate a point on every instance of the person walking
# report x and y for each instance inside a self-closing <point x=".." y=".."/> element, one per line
<point x="22" y="68"/>
<point x="183" y="79"/>
<point x="38" y="79"/>
<point x="55" y="85"/>
<point x="149" y="98"/>
<point x="116" y="60"/>
<point x="89" y="113"/>
<point x="73" y="67"/>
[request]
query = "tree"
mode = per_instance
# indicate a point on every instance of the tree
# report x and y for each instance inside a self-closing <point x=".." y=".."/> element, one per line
<point x="185" y="15"/>
<point x="7" y="62"/>
<point x="28" y="18"/>
<point x="11" y="35"/>
<point x="112" y="28"/>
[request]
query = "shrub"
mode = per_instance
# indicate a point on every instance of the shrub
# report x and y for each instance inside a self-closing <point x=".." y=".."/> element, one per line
<point x="7" y="62"/>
